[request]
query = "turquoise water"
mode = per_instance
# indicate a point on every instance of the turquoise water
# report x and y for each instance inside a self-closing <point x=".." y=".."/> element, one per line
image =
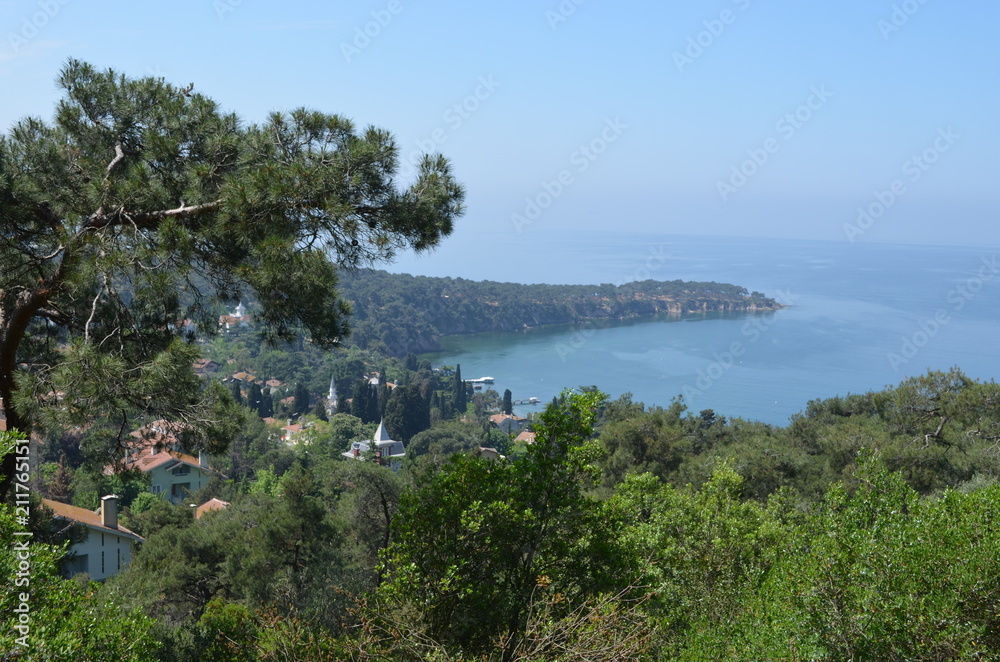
<point x="860" y="317"/>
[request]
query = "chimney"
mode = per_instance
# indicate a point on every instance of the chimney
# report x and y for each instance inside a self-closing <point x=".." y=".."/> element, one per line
<point x="109" y="511"/>
<point x="203" y="459"/>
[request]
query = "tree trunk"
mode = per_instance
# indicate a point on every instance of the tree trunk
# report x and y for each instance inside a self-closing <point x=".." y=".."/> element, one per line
<point x="14" y="320"/>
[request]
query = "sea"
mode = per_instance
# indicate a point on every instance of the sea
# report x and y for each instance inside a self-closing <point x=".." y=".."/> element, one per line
<point x="857" y="317"/>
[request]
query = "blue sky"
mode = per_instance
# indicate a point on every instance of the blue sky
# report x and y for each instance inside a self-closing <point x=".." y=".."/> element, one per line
<point x="721" y="117"/>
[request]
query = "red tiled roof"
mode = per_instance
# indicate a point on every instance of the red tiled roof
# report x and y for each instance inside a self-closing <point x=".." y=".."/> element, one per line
<point x="499" y="418"/>
<point x="146" y="462"/>
<point x="208" y="506"/>
<point x="84" y="516"/>
<point x="526" y="436"/>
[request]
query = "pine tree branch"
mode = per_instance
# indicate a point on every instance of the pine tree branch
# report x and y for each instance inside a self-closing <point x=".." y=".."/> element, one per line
<point x="148" y="220"/>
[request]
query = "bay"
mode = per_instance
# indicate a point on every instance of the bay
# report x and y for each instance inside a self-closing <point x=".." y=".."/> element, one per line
<point x="860" y="317"/>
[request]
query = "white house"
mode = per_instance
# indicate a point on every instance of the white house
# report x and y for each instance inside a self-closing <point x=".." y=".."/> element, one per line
<point x="239" y="318"/>
<point x="388" y="452"/>
<point x="106" y="548"/>
<point x="171" y="473"/>
<point x="155" y="449"/>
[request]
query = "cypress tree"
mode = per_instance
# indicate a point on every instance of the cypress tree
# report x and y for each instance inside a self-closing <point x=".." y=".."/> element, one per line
<point x="508" y="405"/>
<point x="237" y="393"/>
<point x="407" y="413"/>
<point x="301" y="404"/>
<point x="255" y="398"/>
<point x="458" y="390"/>
<point x="382" y="394"/>
<point x="411" y="362"/>
<point x="359" y="400"/>
<point x="266" y="404"/>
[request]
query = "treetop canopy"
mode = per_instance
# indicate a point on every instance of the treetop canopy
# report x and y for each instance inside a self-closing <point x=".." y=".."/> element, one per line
<point x="143" y="206"/>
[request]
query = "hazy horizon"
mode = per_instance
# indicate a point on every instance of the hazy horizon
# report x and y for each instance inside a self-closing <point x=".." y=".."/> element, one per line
<point x="855" y="122"/>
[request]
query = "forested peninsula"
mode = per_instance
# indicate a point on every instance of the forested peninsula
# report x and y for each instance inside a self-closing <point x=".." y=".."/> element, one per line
<point x="398" y="314"/>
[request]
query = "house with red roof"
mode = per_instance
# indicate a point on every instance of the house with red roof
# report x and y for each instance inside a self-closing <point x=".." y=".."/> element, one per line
<point x="105" y="547"/>
<point x="172" y="473"/>
<point x="209" y="506"/>
<point x="508" y="423"/>
<point x="156" y="450"/>
<point x="526" y="437"/>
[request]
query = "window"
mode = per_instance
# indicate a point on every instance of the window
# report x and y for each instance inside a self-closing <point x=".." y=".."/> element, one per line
<point x="156" y="489"/>
<point x="76" y="563"/>
<point x="182" y="470"/>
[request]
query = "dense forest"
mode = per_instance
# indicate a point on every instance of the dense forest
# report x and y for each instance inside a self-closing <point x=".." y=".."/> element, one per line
<point x="397" y="314"/>
<point x="866" y="529"/>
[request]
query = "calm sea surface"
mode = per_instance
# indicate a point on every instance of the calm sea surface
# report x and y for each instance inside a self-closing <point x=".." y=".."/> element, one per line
<point x="860" y="317"/>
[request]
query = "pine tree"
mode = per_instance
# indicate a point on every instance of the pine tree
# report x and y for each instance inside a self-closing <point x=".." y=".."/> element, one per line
<point x="142" y="205"/>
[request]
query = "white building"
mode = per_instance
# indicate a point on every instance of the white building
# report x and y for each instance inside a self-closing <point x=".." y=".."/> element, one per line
<point x="388" y="452"/>
<point x="171" y="473"/>
<point x="155" y="449"/>
<point x="106" y="548"/>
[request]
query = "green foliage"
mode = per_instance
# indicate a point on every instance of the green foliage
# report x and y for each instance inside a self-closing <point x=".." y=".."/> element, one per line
<point x="267" y="483"/>
<point x="442" y="441"/>
<point x="399" y="314"/>
<point x="63" y="619"/>
<point x="472" y="542"/>
<point x="543" y="556"/>
<point x="459" y="391"/>
<point x="142" y="205"/>
<point x="150" y="513"/>
<point x="702" y="553"/>
<point x="407" y="412"/>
